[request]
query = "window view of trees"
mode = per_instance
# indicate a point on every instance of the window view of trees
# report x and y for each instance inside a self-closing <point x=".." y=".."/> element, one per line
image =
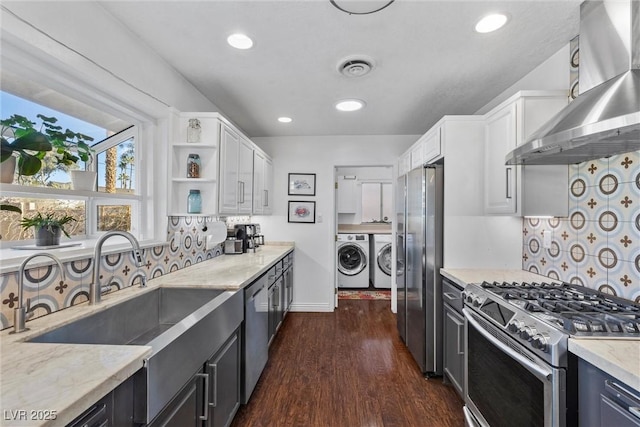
<point x="115" y="163"/>
<point x="11" y="230"/>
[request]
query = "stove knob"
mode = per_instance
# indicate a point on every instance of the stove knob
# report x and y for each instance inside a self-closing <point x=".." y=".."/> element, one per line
<point x="540" y="341"/>
<point x="469" y="297"/>
<point x="515" y="326"/>
<point x="527" y="332"/>
<point x="477" y="302"/>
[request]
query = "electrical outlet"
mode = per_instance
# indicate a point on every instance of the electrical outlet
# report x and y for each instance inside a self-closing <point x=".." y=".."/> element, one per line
<point x="546" y="239"/>
<point x="177" y="237"/>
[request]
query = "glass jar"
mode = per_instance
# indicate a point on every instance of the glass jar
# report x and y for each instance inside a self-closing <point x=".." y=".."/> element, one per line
<point x="194" y="202"/>
<point x="193" y="130"/>
<point x="193" y="166"/>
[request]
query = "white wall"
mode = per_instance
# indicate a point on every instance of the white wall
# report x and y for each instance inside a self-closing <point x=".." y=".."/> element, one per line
<point x="315" y="245"/>
<point x="552" y="74"/>
<point x="99" y="48"/>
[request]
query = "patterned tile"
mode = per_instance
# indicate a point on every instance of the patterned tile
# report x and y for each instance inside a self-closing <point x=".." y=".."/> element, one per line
<point x="49" y="293"/>
<point x="599" y="242"/>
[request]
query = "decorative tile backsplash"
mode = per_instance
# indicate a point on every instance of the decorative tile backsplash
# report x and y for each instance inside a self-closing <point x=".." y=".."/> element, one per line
<point x="49" y="293"/>
<point x="598" y="244"/>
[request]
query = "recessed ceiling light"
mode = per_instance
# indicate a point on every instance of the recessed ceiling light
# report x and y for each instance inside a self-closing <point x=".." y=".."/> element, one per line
<point x="285" y="119"/>
<point x="491" y="23"/>
<point x="349" y="105"/>
<point x="240" y="41"/>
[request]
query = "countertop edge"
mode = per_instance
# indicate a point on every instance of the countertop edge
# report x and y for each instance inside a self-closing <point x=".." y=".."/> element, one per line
<point x="121" y="361"/>
<point x="599" y="353"/>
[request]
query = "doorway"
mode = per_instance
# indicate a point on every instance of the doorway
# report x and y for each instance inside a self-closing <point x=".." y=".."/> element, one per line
<point x="364" y="232"/>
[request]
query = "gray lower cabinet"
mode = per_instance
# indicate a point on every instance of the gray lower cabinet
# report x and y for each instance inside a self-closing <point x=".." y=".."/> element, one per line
<point x="224" y="383"/>
<point x="453" y="333"/>
<point x="288" y="284"/>
<point x="275" y="311"/>
<point x="454" y="348"/>
<point x="115" y="409"/>
<point x="605" y="401"/>
<point x="187" y="407"/>
<point x="211" y="398"/>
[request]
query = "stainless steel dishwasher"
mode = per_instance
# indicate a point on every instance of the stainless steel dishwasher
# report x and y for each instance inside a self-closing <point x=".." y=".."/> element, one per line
<point x="255" y="351"/>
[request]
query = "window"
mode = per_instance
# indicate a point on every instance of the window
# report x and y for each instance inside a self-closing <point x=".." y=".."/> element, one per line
<point x="376" y="202"/>
<point x="114" y="205"/>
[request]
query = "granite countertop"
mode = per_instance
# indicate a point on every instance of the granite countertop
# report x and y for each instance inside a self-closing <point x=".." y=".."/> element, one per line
<point x="68" y="378"/>
<point x="618" y="358"/>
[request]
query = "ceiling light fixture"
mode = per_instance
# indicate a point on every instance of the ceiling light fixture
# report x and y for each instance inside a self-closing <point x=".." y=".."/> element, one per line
<point x="285" y="119"/>
<point x="349" y="105"/>
<point x="240" y="41"/>
<point x="491" y="23"/>
<point x="362" y="8"/>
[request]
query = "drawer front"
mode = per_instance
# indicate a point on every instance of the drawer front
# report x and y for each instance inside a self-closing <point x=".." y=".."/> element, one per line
<point x="452" y="295"/>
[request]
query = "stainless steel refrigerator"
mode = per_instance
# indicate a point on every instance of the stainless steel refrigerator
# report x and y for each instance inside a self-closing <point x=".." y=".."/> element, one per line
<point x="419" y="254"/>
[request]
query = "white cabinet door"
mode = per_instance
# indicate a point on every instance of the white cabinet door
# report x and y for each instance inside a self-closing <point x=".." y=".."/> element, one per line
<point x="262" y="183"/>
<point x="245" y="177"/>
<point x="229" y="177"/>
<point x="500" y="180"/>
<point x="347" y="200"/>
<point x="431" y="146"/>
<point x="258" y="183"/>
<point x="417" y="157"/>
<point x="268" y="187"/>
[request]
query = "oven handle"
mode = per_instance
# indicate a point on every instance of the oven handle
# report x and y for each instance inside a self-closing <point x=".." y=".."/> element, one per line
<point x="544" y="373"/>
<point x="468" y="418"/>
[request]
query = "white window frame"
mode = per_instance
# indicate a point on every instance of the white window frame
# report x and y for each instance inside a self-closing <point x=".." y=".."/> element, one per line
<point x="149" y="118"/>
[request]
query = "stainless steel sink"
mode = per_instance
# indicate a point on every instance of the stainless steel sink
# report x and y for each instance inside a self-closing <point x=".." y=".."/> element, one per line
<point x="137" y="321"/>
<point x="183" y="326"/>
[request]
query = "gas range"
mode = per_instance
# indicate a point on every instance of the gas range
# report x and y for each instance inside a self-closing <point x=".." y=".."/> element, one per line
<point x="542" y="316"/>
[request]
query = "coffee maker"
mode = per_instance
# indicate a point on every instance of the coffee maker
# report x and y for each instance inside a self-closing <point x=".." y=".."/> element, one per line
<point x="248" y="235"/>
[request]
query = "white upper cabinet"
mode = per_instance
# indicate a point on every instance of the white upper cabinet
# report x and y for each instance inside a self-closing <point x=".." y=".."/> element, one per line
<point x="426" y="149"/>
<point x="262" y="184"/>
<point x="236" y="172"/>
<point x="203" y="177"/>
<point x="500" y="180"/>
<point x="347" y="194"/>
<point x="506" y="127"/>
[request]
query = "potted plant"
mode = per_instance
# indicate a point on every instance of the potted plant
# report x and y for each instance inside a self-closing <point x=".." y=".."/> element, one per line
<point x="48" y="228"/>
<point x="69" y="148"/>
<point x="22" y="146"/>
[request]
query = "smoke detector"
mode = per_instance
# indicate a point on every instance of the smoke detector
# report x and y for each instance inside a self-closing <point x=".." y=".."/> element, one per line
<point x="355" y="67"/>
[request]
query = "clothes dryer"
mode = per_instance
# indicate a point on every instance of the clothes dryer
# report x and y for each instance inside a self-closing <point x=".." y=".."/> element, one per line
<point x="353" y="259"/>
<point x="381" y="260"/>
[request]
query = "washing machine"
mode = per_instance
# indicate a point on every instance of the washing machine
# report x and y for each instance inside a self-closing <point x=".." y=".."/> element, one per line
<point x="381" y="260"/>
<point x="353" y="260"/>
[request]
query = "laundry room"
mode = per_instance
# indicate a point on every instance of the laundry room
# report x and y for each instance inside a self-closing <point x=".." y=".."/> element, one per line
<point x="364" y="207"/>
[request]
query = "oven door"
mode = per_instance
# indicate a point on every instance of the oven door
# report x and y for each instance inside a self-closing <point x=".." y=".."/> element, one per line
<point x="506" y="385"/>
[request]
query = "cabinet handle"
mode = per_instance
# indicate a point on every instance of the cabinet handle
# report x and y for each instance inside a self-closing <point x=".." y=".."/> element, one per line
<point x="460" y="352"/>
<point x="508" y="181"/>
<point x="241" y="191"/>
<point x="450" y="296"/>
<point x="205" y="416"/>
<point x="266" y="198"/>
<point x="214" y="366"/>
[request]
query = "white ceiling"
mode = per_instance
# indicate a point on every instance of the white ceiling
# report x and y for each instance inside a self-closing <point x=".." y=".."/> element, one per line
<point x="429" y="60"/>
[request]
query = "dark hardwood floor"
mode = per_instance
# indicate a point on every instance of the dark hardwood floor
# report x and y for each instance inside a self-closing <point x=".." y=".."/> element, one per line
<point x="347" y="368"/>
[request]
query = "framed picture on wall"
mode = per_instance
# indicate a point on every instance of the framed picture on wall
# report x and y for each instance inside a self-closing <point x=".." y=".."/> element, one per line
<point x="302" y="184"/>
<point x="302" y="211"/>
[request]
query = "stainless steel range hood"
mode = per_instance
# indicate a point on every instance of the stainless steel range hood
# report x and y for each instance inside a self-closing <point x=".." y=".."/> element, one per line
<point x="605" y="118"/>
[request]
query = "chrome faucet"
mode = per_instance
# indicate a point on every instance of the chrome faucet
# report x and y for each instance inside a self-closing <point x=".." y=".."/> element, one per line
<point x="95" y="289"/>
<point x="22" y="313"/>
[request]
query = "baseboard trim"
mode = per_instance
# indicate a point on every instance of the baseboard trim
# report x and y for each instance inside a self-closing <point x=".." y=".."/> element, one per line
<point x="312" y="307"/>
